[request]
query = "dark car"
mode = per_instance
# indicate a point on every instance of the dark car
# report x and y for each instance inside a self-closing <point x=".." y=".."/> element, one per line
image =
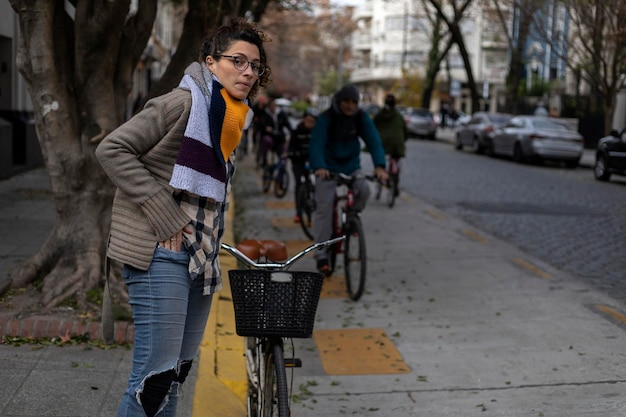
<point x="419" y="122"/>
<point x="477" y="132"/>
<point x="610" y="156"/>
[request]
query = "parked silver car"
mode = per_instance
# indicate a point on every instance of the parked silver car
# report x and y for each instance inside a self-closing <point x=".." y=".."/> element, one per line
<point x="477" y="132"/>
<point x="537" y="138"/>
<point x="419" y="122"/>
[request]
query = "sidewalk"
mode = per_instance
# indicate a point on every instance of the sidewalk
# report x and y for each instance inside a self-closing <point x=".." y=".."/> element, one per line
<point x="454" y="322"/>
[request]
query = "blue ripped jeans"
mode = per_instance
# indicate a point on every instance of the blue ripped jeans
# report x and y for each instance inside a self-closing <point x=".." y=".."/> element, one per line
<point x="170" y="315"/>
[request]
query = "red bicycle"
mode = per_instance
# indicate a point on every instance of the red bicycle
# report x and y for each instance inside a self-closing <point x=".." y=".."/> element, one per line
<point x="347" y="222"/>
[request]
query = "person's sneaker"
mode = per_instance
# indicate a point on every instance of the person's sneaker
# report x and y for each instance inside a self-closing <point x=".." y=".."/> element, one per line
<point x="323" y="267"/>
<point x="296" y="219"/>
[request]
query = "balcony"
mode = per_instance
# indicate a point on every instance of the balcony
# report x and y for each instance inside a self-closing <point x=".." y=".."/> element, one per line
<point x="361" y="75"/>
<point x="362" y="41"/>
<point x="363" y="10"/>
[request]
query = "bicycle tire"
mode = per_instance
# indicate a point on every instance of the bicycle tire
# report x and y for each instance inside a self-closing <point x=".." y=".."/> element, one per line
<point x="355" y="257"/>
<point x="275" y="393"/>
<point x="391" y="191"/>
<point x="304" y="208"/>
<point x="332" y="255"/>
<point x="379" y="189"/>
<point x="268" y="170"/>
<point x="281" y="183"/>
<point x="254" y="356"/>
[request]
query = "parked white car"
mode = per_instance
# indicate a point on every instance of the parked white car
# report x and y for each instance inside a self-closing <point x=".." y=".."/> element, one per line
<point x="537" y="138"/>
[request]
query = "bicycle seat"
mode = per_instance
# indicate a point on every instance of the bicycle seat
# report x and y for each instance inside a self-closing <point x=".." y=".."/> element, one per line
<point x="272" y="250"/>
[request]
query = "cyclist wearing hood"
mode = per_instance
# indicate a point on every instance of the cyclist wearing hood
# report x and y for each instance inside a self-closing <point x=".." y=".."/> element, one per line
<point x="335" y="148"/>
<point x="392" y="128"/>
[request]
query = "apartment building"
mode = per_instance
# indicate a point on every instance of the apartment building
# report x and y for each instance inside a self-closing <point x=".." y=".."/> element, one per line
<point x="396" y="34"/>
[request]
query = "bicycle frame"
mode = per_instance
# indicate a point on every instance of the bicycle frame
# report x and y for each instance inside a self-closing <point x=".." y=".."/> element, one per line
<point x="347" y="222"/>
<point x="343" y="203"/>
<point x="265" y="362"/>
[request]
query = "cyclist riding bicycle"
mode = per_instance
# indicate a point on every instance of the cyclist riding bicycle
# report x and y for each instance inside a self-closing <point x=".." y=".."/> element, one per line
<point x="335" y="148"/>
<point x="274" y="127"/>
<point x="299" y="152"/>
<point x="392" y="129"/>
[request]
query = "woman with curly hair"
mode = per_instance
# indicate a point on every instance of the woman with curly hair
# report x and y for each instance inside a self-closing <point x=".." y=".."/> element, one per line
<point x="172" y="165"/>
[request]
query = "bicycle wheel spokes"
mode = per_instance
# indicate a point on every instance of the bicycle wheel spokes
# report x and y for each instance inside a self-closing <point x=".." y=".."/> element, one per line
<point x="268" y="171"/>
<point x="281" y="183"/>
<point x="275" y="401"/>
<point x="391" y="191"/>
<point x="355" y="262"/>
<point x="254" y="359"/>
<point x="306" y="206"/>
<point x="379" y="189"/>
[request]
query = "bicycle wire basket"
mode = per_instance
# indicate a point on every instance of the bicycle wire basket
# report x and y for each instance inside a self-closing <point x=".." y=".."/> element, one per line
<point x="275" y="303"/>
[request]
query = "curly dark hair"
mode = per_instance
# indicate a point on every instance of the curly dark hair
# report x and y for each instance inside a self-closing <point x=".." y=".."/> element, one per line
<point x="239" y="29"/>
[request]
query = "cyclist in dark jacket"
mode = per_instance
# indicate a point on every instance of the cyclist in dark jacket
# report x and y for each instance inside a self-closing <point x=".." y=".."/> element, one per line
<point x="299" y="152"/>
<point x="335" y="148"/>
<point x="392" y="129"/>
<point x="273" y="129"/>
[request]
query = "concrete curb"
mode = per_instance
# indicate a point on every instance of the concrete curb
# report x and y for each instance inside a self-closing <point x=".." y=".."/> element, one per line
<point x="37" y="328"/>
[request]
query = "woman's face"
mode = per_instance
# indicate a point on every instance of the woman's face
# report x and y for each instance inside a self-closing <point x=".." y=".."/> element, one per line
<point x="237" y="82"/>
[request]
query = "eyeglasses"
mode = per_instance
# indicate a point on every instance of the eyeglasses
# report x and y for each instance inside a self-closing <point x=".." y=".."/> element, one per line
<point x="241" y="63"/>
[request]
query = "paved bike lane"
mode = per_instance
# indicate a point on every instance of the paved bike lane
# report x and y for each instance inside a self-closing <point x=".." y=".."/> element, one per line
<point x="479" y="327"/>
<point x="454" y="322"/>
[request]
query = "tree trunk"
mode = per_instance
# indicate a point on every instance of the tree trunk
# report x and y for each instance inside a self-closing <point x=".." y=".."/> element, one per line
<point x="435" y="57"/>
<point x="457" y="36"/>
<point x="78" y="72"/>
<point x="78" y="66"/>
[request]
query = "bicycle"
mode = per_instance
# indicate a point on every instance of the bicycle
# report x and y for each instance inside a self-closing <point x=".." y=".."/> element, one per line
<point x="305" y="200"/>
<point x="272" y="304"/>
<point x="347" y="222"/>
<point x="393" y="172"/>
<point x="277" y="174"/>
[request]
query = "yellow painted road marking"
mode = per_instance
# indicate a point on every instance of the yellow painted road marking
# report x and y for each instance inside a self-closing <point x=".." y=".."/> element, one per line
<point x="358" y="352"/>
<point x="334" y="287"/>
<point x="435" y="214"/>
<point x="532" y="268"/>
<point x="221" y="365"/>
<point x="280" y="204"/>
<point x="475" y="236"/>
<point x="286" y="222"/>
<point x="611" y="312"/>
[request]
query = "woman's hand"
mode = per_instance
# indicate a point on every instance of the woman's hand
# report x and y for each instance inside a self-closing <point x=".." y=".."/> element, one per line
<point x="175" y="242"/>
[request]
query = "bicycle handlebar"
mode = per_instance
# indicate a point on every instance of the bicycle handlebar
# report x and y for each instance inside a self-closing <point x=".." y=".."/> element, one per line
<point x="283" y="266"/>
<point x="346" y="179"/>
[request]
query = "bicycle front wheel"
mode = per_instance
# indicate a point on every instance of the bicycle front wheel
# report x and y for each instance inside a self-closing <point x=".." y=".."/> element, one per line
<point x="281" y="183"/>
<point x="268" y="171"/>
<point x="391" y="191"/>
<point x="355" y="257"/>
<point x="306" y="206"/>
<point x="275" y="401"/>
<point x="254" y="365"/>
